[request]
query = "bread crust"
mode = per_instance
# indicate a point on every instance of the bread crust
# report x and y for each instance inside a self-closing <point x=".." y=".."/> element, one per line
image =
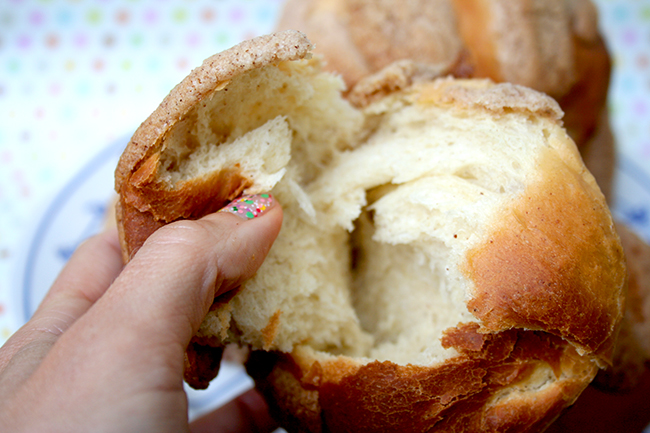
<point x="532" y="247"/>
<point x="485" y="95"/>
<point x="461" y="394"/>
<point x="631" y="357"/>
<point x="527" y="248"/>
<point x="638" y="252"/>
<point x="550" y="46"/>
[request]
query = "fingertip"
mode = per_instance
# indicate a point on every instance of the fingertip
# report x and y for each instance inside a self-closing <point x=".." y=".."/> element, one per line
<point x="250" y="206"/>
<point x="184" y="265"/>
<point x="262" y="213"/>
<point x="254" y="404"/>
<point x="111" y="237"/>
<point x="247" y="243"/>
<point x="94" y="265"/>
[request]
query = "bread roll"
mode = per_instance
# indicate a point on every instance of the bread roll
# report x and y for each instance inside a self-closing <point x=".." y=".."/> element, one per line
<point x="549" y="45"/>
<point x="446" y="261"/>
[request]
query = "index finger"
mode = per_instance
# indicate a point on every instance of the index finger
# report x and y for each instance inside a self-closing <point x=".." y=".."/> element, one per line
<point x="84" y="279"/>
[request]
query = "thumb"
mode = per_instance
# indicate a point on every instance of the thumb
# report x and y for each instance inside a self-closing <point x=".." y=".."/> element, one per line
<point x="131" y="343"/>
<point x="158" y="302"/>
<point x="170" y="284"/>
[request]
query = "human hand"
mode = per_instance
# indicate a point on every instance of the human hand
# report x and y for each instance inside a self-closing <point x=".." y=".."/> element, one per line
<point x="105" y="349"/>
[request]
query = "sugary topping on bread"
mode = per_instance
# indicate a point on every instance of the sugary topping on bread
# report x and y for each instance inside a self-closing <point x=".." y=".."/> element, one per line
<point x="211" y="76"/>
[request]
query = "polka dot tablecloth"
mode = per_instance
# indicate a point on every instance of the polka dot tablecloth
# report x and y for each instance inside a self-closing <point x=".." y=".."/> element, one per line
<point x="77" y="77"/>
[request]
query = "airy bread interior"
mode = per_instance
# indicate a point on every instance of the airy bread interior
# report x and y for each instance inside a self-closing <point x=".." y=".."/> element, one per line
<point x="380" y="205"/>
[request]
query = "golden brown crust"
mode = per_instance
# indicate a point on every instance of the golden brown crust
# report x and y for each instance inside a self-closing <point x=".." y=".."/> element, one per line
<point x="421" y="30"/>
<point x="360" y="37"/>
<point x="462" y="394"/>
<point x="553" y="47"/>
<point x="398" y="76"/>
<point x="202" y="363"/>
<point x="603" y="412"/>
<point x="526" y="42"/>
<point x="330" y="31"/>
<point x="134" y="227"/>
<point x="586" y="101"/>
<point x="146" y="203"/>
<point x="294" y="406"/>
<point x="540" y="257"/>
<point x="638" y="301"/>
<point x="530" y="42"/>
<point x="270" y="331"/>
<point x="473" y="19"/>
<point x="628" y="362"/>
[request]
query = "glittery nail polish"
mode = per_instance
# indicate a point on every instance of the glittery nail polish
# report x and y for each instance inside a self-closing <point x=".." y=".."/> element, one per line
<point x="249" y="206"/>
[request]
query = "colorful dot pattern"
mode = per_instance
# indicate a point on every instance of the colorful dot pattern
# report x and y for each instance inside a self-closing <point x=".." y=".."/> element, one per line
<point x="249" y="206"/>
<point x="626" y="26"/>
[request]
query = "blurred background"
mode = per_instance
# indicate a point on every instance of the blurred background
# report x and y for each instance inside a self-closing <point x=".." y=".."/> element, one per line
<point x="78" y="76"/>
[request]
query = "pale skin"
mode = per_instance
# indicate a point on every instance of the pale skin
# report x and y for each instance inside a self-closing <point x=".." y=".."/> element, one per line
<point x="104" y="351"/>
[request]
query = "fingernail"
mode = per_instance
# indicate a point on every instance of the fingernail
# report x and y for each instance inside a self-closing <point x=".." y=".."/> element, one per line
<point x="249" y="206"/>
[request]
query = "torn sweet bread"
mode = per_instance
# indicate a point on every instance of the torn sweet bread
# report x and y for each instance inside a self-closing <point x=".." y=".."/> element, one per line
<point x="446" y="261"/>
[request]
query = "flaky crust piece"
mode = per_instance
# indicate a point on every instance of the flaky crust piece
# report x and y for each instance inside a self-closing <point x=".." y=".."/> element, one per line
<point x="145" y="203"/>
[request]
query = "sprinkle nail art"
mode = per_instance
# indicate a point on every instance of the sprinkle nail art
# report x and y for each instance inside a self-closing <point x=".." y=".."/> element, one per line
<point x="249" y="206"/>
